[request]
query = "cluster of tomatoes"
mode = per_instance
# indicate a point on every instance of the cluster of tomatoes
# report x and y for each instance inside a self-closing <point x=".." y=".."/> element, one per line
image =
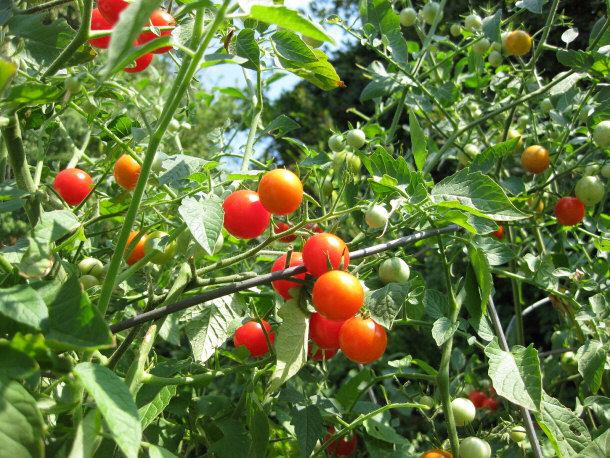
<point x="106" y="15"/>
<point x="483" y="401"/>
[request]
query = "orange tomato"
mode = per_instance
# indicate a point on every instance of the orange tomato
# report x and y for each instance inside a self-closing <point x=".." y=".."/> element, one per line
<point x="518" y="42"/>
<point x="437" y="453"/>
<point x="535" y="159"/>
<point x="126" y="172"/>
<point x="280" y="191"/>
<point x="138" y="251"/>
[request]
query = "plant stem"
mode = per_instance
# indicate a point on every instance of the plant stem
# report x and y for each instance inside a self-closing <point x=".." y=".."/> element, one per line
<point x="245" y="165"/>
<point x="43" y="7"/>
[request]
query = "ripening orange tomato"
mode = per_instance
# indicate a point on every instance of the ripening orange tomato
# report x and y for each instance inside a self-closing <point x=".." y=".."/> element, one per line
<point x="127" y="172"/>
<point x="138" y="251"/>
<point x="518" y="42"/>
<point x="337" y="295"/>
<point x="535" y="159"/>
<point x="280" y="191"/>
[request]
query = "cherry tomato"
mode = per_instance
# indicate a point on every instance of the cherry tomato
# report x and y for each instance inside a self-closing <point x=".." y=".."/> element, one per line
<point x="321" y="353"/>
<point x="430" y="11"/>
<point x="111" y="9"/>
<point x="73" y="185"/>
<point x="362" y="340"/>
<point x="88" y="281"/>
<point x="245" y="216"/>
<point x="427" y="401"/>
<point x="283" y="227"/>
<point x="464" y="411"/>
<point x="437" y="453"/>
<point x="518" y="42"/>
<point x="140" y="63"/>
<point x="490" y="404"/>
<point x="601" y="134"/>
<point x="127" y="172"/>
<point x="350" y="160"/>
<point x="499" y="234"/>
<point x="408" y="17"/>
<point x="282" y="286"/>
<point x="518" y="434"/>
<point x="162" y="257"/>
<point x="99" y="23"/>
<point x="91" y="266"/>
<point x="473" y="447"/>
<point x="324" y="332"/>
<point x="138" y="251"/>
<point x="280" y="191"/>
<point x="320" y="248"/>
<point x="159" y="18"/>
<point x="535" y="159"/>
<point x="343" y="446"/>
<point x="376" y="216"/>
<point x="337" y="295"/>
<point x="356" y="138"/>
<point x="394" y="270"/>
<point x="589" y="190"/>
<point x="568" y="211"/>
<point x="477" y="397"/>
<point x="336" y="143"/>
<point x="252" y="336"/>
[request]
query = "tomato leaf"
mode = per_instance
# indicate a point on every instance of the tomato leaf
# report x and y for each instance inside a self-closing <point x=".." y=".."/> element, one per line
<point x="380" y="14"/>
<point x="291" y="20"/>
<point x="308" y="426"/>
<point x="443" y="329"/>
<point x="290" y="46"/>
<point x="15" y="363"/>
<point x="471" y="297"/>
<point x="385" y="303"/>
<point x="204" y="218"/>
<point x="88" y="436"/>
<point x="321" y="72"/>
<point x="489" y="158"/>
<point x="247" y="47"/>
<point x="591" y="361"/>
<point x="491" y="26"/>
<point x="534" y="6"/>
<point x="235" y="441"/>
<point x="21" y="304"/>
<point x="482" y="270"/>
<point x="418" y="142"/>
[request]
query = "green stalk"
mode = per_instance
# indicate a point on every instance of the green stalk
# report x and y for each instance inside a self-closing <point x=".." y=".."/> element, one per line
<point x="245" y="165"/>
<point x="3" y="160"/>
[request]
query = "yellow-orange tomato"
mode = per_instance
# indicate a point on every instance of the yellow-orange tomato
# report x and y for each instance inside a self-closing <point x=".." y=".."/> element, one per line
<point x="280" y="191"/>
<point x="126" y="172"/>
<point x="535" y="159"/>
<point x="518" y="42"/>
<point x="337" y="295"/>
<point x="138" y="251"/>
<point x="437" y="453"/>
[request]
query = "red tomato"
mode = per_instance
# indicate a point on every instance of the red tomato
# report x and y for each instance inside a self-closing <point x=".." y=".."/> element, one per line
<point x="362" y="340"/>
<point x="321" y="353"/>
<point x="252" y="336"/>
<point x="500" y="232"/>
<point x="490" y="403"/>
<point x="99" y="23"/>
<point x="343" y="446"/>
<point x="568" y="211"/>
<point x="245" y="216"/>
<point x="111" y="9"/>
<point x="127" y="172"/>
<point x="323" y="332"/>
<point x="283" y="227"/>
<point x="73" y="185"/>
<point x="138" y="251"/>
<point x="477" y="397"/>
<point x="140" y="63"/>
<point x="281" y="191"/>
<point x="337" y="295"/>
<point x="282" y="286"/>
<point x="314" y="228"/>
<point x="159" y="18"/>
<point x="321" y="247"/>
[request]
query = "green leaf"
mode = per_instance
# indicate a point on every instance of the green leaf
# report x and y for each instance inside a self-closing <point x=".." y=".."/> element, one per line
<point x="383" y="83"/>
<point x="321" y="72"/>
<point x="23" y="305"/>
<point x="235" y="441"/>
<point x="568" y="433"/>
<point x="114" y="401"/>
<point x="578" y="60"/>
<point x="596" y="30"/>
<point x="33" y="94"/>
<point x="7" y="71"/>
<point x="154" y="408"/>
<point x="55" y="224"/>
<point x="178" y="167"/>
<point x="471" y="222"/>
<point x="15" y="363"/>
<point x="491" y="26"/>
<point x="9" y="190"/>
<point x="385" y="303"/>
<point x="418" y="142"/>
<point x="258" y="424"/>
<point x="308" y="426"/>
<point x="121" y="126"/>
<point x="290" y="344"/>
<point x="380" y="14"/>
<point x="491" y="156"/>
<point x="443" y="329"/>
<point x="36" y="261"/>
<point x="154" y="451"/>
<point x="482" y="270"/>
<point x="600" y="405"/>
<point x="591" y="361"/>
<point x="516" y="374"/>
<point x="21" y="424"/>
<point x="88" y="436"/>
<point x="497" y="253"/>
<point x="291" y="20"/>
<point x="534" y="6"/>
<point x="475" y="193"/>
<point x="350" y="392"/>
<point x="599" y="448"/>
<point x="290" y="46"/>
<point x="471" y="297"/>
<point x="435" y="303"/>
<point x="280" y="126"/>
<point x="247" y="47"/>
<point x="204" y="217"/>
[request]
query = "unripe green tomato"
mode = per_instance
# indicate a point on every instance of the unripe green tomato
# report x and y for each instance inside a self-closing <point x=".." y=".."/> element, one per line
<point x="173" y="126"/>
<point x="336" y="143"/>
<point x="464" y="411"/>
<point x="569" y="362"/>
<point x="503" y="37"/>
<point x="472" y="22"/>
<point x="518" y="434"/>
<point x="469" y="153"/>
<point x="427" y="401"/>
<point x="356" y="138"/>
<point x="495" y="59"/>
<point x="327" y="187"/>
<point x="496" y="46"/>
<point x="430" y="11"/>
<point x="592" y="169"/>
<point x="186" y="126"/>
<point x="88" y="281"/>
<point x="376" y="216"/>
<point x="312" y="41"/>
<point x="157" y="164"/>
<point x="583" y="116"/>
<point x="350" y="159"/>
<point x="605" y="171"/>
<point x="481" y="46"/>
<point x="73" y="84"/>
<point x="523" y="122"/>
<point x="589" y="190"/>
<point x="408" y="17"/>
<point x="455" y="30"/>
<point x="601" y="134"/>
<point x="473" y="447"/>
<point x="92" y="266"/>
<point x="162" y="257"/>
<point x="394" y="270"/>
<point x="88" y="107"/>
<point x="546" y="106"/>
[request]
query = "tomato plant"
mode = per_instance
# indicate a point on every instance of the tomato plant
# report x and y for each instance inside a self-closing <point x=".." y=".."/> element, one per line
<point x="282" y="287"/>
<point x="569" y="211"/>
<point x="253" y="337"/>
<point x="344" y="446"/>
<point x="245" y="217"/>
<point x="324" y="332"/>
<point x="164" y="255"/>
<point x="73" y="185"/>
<point x="473" y="447"/>
<point x="337" y="295"/>
<point x="137" y="251"/>
<point x="362" y="340"/>
<point x="320" y="249"/>
<point x="518" y="434"/>
<point x="127" y="172"/>
<point x="280" y="192"/>
<point x="99" y="23"/>
<point x="535" y="159"/>
<point x="159" y="18"/>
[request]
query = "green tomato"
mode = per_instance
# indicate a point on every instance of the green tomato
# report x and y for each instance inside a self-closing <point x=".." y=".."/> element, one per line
<point x="88" y="281"/>
<point x="469" y="153"/>
<point x="589" y="190"/>
<point x="88" y="107"/>
<point x="394" y="270"/>
<point x="92" y="266"/>
<point x="601" y="134"/>
<point x="430" y="11"/>
<point x="312" y="41"/>
<point x="376" y="216"/>
<point x="546" y="106"/>
<point x="481" y="46"/>
<point x="157" y="164"/>
<point x="473" y="447"/>
<point x="569" y="363"/>
<point x="518" y="434"/>
<point x="353" y="162"/>
<point x="495" y="59"/>
<point x="605" y="171"/>
<point x="153" y="243"/>
<point x="327" y="187"/>
<point x="173" y="126"/>
<point x="496" y="46"/>
<point x="464" y="411"/>
<point x="427" y="401"/>
<point x="356" y="138"/>
<point x="503" y="37"/>
<point x="592" y="169"/>
<point x="408" y="17"/>
<point x="336" y="143"/>
<point x="472" y="22"/>
<point x="455" y="30"/>
<point x="73" y="84"/>
<point x="523" y="122"/>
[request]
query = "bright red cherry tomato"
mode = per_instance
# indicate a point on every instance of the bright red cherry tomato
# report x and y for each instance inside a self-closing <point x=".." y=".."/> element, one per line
<point x="490" y="403"/>
<point x="500" y="232"/>
<point x="337" y="295"/>
<point x="281" y="191"/>
<point x="343" y="446"/>
<point x="138" y="251"/>
<point x="282" y="286"/>
<point x="252" y="336"/>
<point x="321" y="247"/>
<point x="362" y="340"/>
<point x="323" y="332"/>
<point x="140" y="63"/>
<point x="159" y="18"/>
<point x="321" y="353"/>
<point x="477" y="397"/>
<point x="99" y="23"/>
<point x="111" y="9"/>
<point x="283" y="227"/>
<point x="245" y="216"/>
<point x="127" y="172"/>
<point x="73" y="185"/>
<point x="568" y="211"/>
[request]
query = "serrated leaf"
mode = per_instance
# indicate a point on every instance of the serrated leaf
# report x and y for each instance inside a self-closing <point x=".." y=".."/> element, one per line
<point x="599" y="448"/>
<point x="491" y="26"/>
<point x="418" y="142"/>
<point x="443" y="329"/>
<point x="534" y="6"/>
<point x="489" y="158"/>
<point x="516" y="374"/>
<point x="290" y="344"/>
<point x="385" y="303"/>
<point x="204" y="217"/>
<point x="380" y="14"/>
<point x="114" y="401"/>
<point x="472" y="223"/>
<point x="291" y="20"/>
<point x="308" y="426"/>
<point x="497" y="253"/>
<point x="55" y="224"/>
<point x="591" y="361"/>
<point x="154" y="408"/>
<point x="180" y="166"/>
<point x="321" y="72"/>
<point x="247" y="47"/>
<point x="290" y="46"/>
<point x="23" y="305"/>
<point x="600" y="405"/>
